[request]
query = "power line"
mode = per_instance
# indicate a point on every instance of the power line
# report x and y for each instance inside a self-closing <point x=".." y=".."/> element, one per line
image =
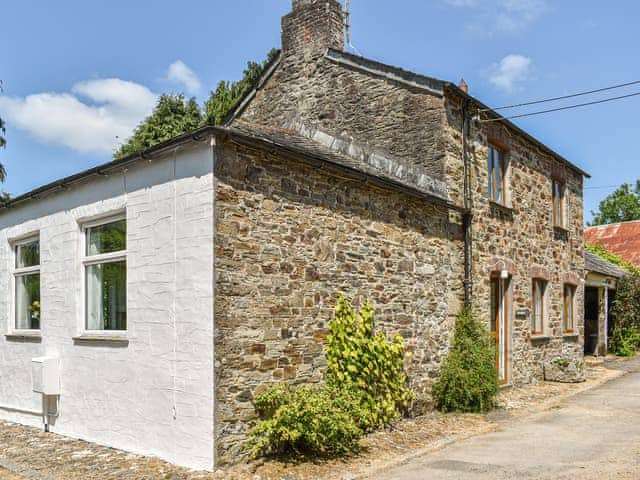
<point x="568" y="107"/>
<point x="555" y="99"/>
<point x="601" y="187"/>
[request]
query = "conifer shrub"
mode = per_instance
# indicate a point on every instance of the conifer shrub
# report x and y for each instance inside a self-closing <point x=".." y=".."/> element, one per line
<point x="468" y="378"/>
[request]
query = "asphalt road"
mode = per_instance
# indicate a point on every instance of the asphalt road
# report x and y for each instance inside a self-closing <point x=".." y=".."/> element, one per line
<point x="593" y="436"/>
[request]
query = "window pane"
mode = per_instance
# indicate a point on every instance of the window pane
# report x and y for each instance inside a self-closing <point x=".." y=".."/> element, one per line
<point x="28" y="301"/>
<point x="28" y="254"/>
<point x="110" y="237"/>
<point x="538" y="305"/>
<point x="498" y="177"/>
<point x="568" y="308"/>
<point x="494" y="305"/>
<point x="106" y="303"/>
<point x="490" y="171"/>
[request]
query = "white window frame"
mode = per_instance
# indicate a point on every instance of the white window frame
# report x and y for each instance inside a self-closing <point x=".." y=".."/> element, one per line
<point x="88" y="260"/>
<point x="18" y="272"/>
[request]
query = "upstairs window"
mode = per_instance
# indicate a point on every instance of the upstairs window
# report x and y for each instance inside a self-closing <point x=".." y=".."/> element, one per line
<point x="568" y="324"/>
<point x="105" y="265"/>
<point x="538" y="306"/>
<point x="558" y="193"/>
<point x="27" y="284"/>
<point x="496" y="171"/>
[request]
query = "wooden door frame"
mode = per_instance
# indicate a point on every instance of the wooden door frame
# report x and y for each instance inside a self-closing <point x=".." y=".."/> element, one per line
<point x="503" y="284"/>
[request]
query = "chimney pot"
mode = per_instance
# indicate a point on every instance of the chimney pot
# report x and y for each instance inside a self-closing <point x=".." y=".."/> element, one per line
<point x="463" y="86"/>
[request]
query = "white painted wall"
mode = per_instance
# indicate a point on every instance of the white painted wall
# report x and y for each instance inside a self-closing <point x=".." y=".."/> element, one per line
<point x="155" y="395"/>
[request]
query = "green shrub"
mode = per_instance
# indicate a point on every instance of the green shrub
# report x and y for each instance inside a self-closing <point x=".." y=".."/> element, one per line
<point x="361" y="359"/>
<point x="625" y="338"/>
<point x="321" y="421"/>
<point x="468" y="377"/>
<point x="625" y="341"/>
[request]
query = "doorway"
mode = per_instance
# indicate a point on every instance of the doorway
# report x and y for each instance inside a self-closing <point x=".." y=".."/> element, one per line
<point x="499" y="324"/>
<point x="591" y="314"/>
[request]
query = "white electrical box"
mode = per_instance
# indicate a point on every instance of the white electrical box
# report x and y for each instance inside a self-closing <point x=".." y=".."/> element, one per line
<point x="46" y="375"/>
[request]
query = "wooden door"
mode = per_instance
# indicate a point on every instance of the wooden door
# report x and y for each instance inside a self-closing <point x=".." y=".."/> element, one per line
<point x="499" y="324"/>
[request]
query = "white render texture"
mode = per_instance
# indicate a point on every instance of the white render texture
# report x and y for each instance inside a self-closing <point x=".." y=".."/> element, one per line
<point x="154" y="395"/>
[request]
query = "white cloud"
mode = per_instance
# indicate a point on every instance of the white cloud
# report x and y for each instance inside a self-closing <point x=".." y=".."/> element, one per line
<point x="516" y="15"/>
<point x="506" y="16"/>
<point x="112" y="108"/>
<point x="180" y="73"/>
<point x="509" y="72"/>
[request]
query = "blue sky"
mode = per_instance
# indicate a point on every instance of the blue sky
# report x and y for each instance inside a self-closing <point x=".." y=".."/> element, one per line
<point x="78" y="74"/>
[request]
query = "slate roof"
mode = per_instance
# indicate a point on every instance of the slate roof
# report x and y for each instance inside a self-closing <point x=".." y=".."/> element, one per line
<point x="620" y="238"/>
<point x="289" y="142"/>
<point x="283" y="141"/>
<point x="597" y="264"/>
<point x="434" y="84"/>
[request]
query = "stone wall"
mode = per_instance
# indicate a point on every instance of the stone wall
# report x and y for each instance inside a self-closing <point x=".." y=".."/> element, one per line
<point x="290" y="237"/>
<point x="376" y="113"/>
<point x="522" y="239"/>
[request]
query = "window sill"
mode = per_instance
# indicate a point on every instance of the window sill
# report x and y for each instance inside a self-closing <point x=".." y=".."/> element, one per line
<point x="499" y="210"/>
<point x="560" y="233"/>
<point x="500" y="206"/>
<point x="113" y="338"/>
<point x="540" y="338"/>
<point x="570" y="336"/>
<point x="24" y="336"/>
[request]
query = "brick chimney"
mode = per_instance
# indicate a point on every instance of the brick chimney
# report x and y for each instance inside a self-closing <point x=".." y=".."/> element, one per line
<point x="312" y="27"/>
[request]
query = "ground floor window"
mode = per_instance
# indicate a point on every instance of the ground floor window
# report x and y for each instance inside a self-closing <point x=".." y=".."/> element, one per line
<point x="105" y="265"/>
<point x="538" y="288"/>
<point x="27" y="284"/>
<point x="568" y="320"/>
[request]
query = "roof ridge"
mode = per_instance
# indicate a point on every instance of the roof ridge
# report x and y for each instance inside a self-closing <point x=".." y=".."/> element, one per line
<point x="592" y="227"/>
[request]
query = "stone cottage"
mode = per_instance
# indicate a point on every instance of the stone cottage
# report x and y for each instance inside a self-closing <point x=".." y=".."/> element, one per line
<point x="168" y="287"/>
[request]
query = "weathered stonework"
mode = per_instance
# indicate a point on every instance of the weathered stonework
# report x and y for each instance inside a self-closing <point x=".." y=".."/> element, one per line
<point x="401" y="122"/>
<point x="288" y="239"/>
<point x="565" y="370"/>
<point x="520" y="237"/>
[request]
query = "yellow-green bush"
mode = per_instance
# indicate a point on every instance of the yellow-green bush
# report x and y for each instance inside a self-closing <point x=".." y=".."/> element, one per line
<point x="362" y="359"/>
<point x="365" y="388"/>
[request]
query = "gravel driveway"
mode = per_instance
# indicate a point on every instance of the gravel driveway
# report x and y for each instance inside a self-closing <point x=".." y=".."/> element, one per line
<point x="595" y="435"/>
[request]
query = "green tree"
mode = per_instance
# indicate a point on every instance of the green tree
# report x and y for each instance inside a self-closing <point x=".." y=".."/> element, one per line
<point x="227" y="94"/>
<point x="173" y="115"/>
<point x="626" y="311"/>
<point x="3" y="143"/>
<point x="613" y="258"/>
<point x="622" y="205"/>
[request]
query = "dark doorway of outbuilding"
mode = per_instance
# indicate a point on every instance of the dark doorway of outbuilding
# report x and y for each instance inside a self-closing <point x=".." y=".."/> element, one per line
<point x="590" y="320"/>
<point x="611" y="318"/>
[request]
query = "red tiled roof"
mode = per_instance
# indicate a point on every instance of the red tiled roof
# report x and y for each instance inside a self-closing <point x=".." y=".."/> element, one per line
<point x="620" y="238"/>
